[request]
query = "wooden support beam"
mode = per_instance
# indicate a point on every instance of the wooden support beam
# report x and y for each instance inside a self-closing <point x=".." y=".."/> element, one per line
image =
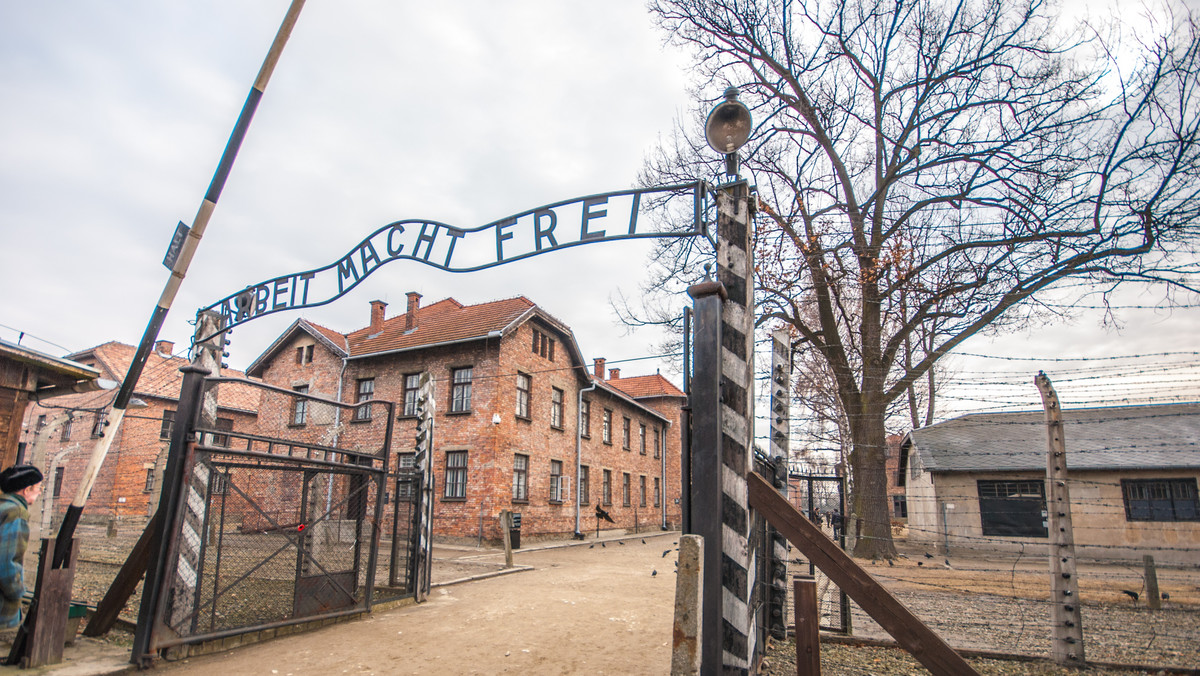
<point x="808" y="626"/>
<point x="909" y="631"/>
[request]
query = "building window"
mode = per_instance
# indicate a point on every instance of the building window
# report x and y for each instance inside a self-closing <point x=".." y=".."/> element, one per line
<point x="583" y="489"/>
<point x="1160" y="499"/>
<point x="657" y="494"/>
<point x="407" y="471"/>
<point x="66" y="428"/>
<point x="543" y="345"/>
<point x="520" y="485"/>
<point x="556" y="408"/>
<point x="58" y="481"/>
<point x="304" y="354"/>
<point x="41" y="421"/>
<point x="366" y="392"/>
<point x="625" y="433"/>
<point x="642" y="438"/>
<point x="606" y="427"/>
<point x="168" y="424"/>
<point x="606" y="487"/>
<point x="149" y="480"/>
<point x="299" y="406"/>
<point x="585" y="418"/>
<point x="1013" y="507"/>
<point x="460" y="390"/>
<point x="225" y="425"/>
<point x="642" y="491"/>
<point x="98" y="424"/>
<point x="524" y="385"/>
<point x="556" y="481"/>
<point x="412" y="385"/>
<point x="625" y="489"/>
<point x="456" y="475"/>
<point x="220" y="482"/>
<point x="899" y="507"/>
<point x="657" y="442"/>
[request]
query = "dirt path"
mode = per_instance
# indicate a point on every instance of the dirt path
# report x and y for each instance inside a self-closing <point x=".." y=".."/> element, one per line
<point x="594" y="610"/>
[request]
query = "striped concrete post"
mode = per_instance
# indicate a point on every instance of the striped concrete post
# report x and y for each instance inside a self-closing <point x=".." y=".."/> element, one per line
<point x="735" y="271"/>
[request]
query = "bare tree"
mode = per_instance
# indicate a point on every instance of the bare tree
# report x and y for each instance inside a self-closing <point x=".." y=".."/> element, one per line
<point x="925" y="169"/>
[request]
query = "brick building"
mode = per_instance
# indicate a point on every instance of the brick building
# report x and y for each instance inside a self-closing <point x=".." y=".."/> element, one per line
<point x="521" y="422"/>
<point x="61" y="432"/>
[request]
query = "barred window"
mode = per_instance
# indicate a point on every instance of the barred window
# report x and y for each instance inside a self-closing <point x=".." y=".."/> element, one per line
<point x="98" y="423"/>
<point x="66" y="428"/>
<point x="225" y="425"/>
<point x="1014" y="507"/>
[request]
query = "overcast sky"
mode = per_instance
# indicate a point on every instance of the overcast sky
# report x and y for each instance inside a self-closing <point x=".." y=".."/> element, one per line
<point x="115" y="115"/>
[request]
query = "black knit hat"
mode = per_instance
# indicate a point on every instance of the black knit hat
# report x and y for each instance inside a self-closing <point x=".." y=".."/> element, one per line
<point x="17" y="477"/>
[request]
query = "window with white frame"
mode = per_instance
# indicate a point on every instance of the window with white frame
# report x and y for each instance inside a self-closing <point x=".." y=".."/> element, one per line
<point x="524" y="392"/>
<point x="412" y="386"/>
<point x="365" y="393"/>
<point x="520" y="481"/>
<point x="460" y="389"/>
<point x="456" y="475"/>
<point x="556" y="481"/>
<point x="556" y="408"/>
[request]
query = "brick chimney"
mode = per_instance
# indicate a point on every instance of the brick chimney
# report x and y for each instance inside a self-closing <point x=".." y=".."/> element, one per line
<point x="378" y="308"/>
<point x="614" y="374"/>
<point x="598" y="367"/>
<point x="410" y="316"/>
<point x="164" y="348"/>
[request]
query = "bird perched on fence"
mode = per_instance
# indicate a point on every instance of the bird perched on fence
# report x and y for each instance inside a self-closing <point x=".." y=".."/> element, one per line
<point x="1131" y="594"/>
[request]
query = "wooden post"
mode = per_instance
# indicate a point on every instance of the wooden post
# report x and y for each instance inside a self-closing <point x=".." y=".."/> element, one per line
<point x="909" y="631"/>
<point x="808" y="635"/>
<point x="1066" y="618"/>
<point x="685" y="649"/>
<point x="1153" y="600"/>
<point x="506" y="533"/>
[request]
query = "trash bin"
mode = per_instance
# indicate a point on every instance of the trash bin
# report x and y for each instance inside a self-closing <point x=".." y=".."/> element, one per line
<point x="514" y="533"/>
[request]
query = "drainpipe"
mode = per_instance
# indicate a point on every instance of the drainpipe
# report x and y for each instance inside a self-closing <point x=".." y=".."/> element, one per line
<point x="579" y="451"/>
<point x="662" y="481"/>
<point x="337" y="434"/>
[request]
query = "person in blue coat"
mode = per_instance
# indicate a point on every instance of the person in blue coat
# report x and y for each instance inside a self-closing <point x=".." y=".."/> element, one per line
<point x="21" y="485"/>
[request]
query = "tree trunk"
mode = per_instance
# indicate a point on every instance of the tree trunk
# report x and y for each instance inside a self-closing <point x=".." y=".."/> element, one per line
<point x="869" y="497"/>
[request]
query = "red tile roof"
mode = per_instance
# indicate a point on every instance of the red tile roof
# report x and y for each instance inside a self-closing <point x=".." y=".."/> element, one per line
<point x="161" y="377"/>
<point x="445" y="321"/>
<point x="646" y="386"/>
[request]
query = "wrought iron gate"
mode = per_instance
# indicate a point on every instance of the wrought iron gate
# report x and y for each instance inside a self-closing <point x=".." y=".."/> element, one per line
<point x="265" y="531"/>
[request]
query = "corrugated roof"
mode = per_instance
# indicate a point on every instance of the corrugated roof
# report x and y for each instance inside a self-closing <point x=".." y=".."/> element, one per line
<point x="446" y="321"/>
<point x="653" y="385"/>
<point x="1120" y="437"/>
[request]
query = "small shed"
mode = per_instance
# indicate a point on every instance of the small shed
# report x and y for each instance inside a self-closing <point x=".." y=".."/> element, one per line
<point x="978" y="481"/>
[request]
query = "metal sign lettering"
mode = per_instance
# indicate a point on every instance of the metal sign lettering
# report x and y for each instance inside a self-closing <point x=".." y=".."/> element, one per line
<point x="584" y="220"/>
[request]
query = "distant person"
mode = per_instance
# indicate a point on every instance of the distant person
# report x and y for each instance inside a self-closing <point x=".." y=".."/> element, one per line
<point x="21" y="485"/>
<point x="836" y="519"/>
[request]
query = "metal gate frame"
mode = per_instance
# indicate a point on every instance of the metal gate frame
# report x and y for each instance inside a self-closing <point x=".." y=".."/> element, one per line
<point x="844" y="612"/>
<point x="186" y="482"/>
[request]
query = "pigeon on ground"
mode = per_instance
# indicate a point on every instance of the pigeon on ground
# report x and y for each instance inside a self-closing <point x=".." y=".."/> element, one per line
<point x="643" y="540"/>
<point x="591" y="546"/>
<point x="603" y="545"/>
<point x="1166" y="596"/>
<point x="920" y="563"/>
<point x="665" y="553"/>
<point x="1131" y="594"/>
<point x="928" y="555"/>
<point x="947" y="562"/>
<point x="654" y="573"/>
<point x="890" y="562"/>
<point x="621" y="542"/>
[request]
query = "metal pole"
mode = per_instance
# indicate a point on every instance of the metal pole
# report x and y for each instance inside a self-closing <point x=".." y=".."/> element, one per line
<point x="178" y="272"/>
